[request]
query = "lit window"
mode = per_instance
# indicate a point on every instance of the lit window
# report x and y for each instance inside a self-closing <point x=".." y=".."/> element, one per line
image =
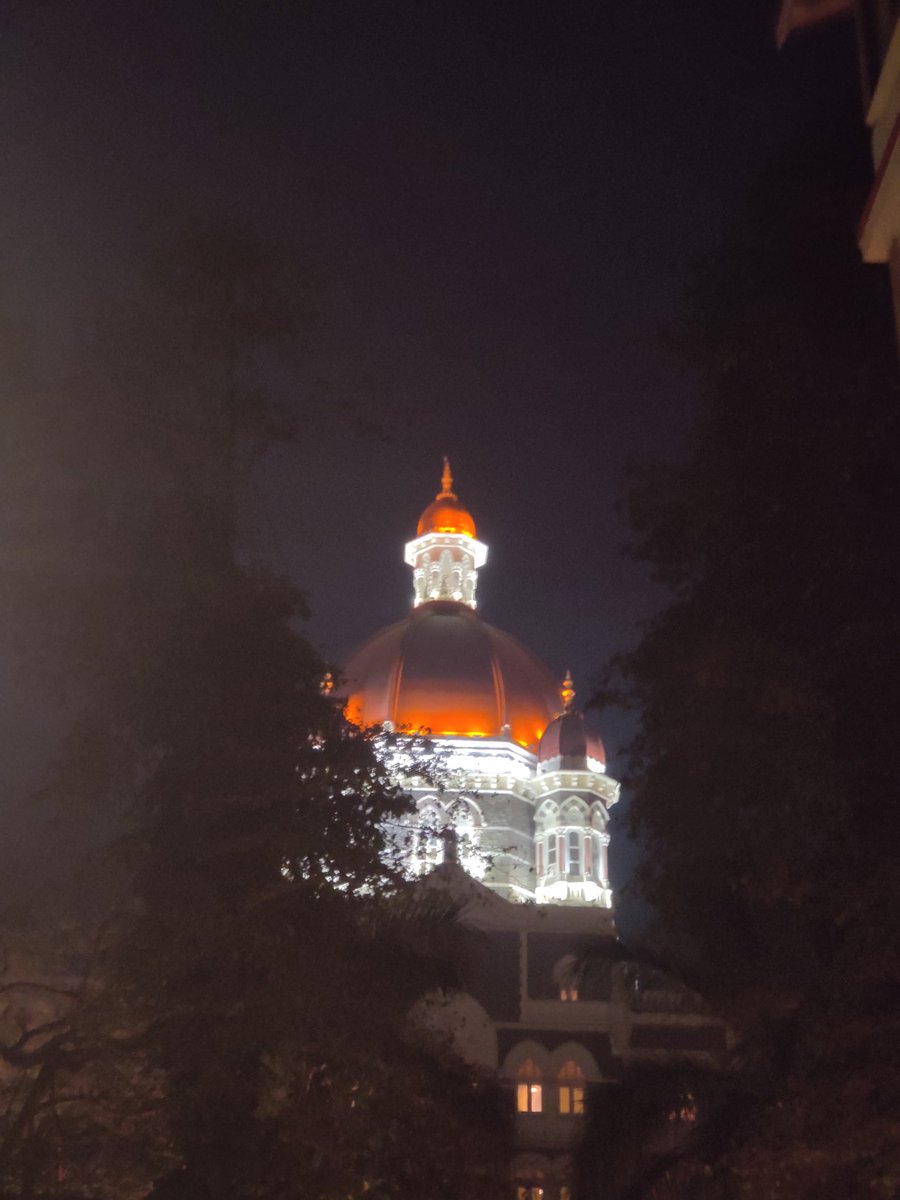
<point x="528" y="1088"/>
<point x="565" y="1193"/>
<point x="565" y="976"/>
<point x="529" y="1192"/>
<point x="686" y="1111"/>
<point x="571" y="1089"/>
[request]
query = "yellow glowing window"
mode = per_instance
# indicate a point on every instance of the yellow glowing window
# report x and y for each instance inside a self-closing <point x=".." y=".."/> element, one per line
<point x="571" y="1090"/>
<point x="529" y="1097"/>
<point x="568" y="993"/>
<point x="529" y="1093"/>
<point x="529" y="1193"/>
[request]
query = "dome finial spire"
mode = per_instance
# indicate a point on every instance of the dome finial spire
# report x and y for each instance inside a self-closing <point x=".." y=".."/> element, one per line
<point x="446" y="481"/>
<point x="567" y="692"/>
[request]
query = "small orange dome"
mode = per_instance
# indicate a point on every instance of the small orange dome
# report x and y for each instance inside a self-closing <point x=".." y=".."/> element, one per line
<point x="445" y="514"/>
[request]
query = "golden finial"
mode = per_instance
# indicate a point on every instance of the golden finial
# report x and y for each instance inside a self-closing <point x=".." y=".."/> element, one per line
<point x="567" y="692"/>
<point x="446" y="480"/>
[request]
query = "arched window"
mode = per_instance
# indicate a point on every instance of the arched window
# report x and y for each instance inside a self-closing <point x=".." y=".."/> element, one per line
<point x="571" y="1089"/>
<point x="529" y="1094"/>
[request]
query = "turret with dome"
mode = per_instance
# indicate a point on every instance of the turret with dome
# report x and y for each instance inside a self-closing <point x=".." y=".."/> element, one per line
<point x="527" y="794"/>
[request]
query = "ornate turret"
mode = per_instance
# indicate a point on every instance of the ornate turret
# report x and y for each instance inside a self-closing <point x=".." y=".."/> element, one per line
<point x="445" y="555"/>
<point x="573" y="799"/>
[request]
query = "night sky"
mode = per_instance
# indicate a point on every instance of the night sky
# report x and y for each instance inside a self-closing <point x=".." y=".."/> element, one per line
<point x="502" y="205"/>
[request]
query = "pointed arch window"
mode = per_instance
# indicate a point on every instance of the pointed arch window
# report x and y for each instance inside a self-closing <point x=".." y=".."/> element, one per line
<point x="571" y="1089"/>
<point x="529" y="1092"/>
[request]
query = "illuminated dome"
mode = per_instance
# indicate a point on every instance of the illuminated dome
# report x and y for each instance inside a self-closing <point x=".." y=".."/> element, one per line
<point x="567" y="743"/>
<point x="445" y="670"/>
<point x="569" y="739"/>
<point x="445" y="514"/>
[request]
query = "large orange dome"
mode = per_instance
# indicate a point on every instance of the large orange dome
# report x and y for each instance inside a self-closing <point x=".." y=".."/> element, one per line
<point x="445" y="670"/>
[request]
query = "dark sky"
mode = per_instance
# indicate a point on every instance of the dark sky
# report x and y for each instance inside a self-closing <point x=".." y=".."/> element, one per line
<point x="502" y="204"/>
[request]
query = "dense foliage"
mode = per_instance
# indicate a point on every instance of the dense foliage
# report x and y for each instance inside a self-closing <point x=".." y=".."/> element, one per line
<point x="218" y="1008"/>
<point x="765" y="778"/>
